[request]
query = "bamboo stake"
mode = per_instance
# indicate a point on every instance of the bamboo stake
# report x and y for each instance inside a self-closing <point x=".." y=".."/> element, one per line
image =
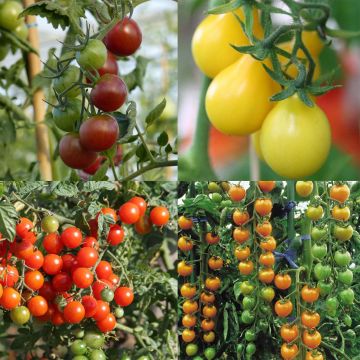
<point x="41" y="130"/>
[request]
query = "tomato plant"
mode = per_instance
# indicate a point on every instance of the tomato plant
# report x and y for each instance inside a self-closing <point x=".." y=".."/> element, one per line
<point x="287" y="289"/>
<point x="78" y="291"/>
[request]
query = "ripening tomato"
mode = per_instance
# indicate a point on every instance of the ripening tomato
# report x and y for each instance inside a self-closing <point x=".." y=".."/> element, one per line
<point x="124" y="38"/>
<point x="188" y="290"/>
<point x="310" y="319"/>
<point x="309" y="294"/>
<point x="209" y="311"/>
<point x="237" y="193"/>
<point x="207" y="297"/>
<point x="159" y="216"/>
<point x="73" y="154"/>
<point x="20" y="315"/>
<point x="22" y="248"/>
<point x="268" y="244"/>
<point x="107" y="324"/>
<point x="99" y="285"/>
<point x="74" y="312"/>
<point x="35" y="261"/>
<point x="264" y="228"/>
<point x="304" y="188"/>
<point x="240" y="234"/>
<point x="190" y="306"/>
<point x="246" y="267"/>
<point x="37" y="306"/>
<point x="215" y="263"/>
<point x="82" y="277"/>
<point x="267" y="259"/>
<point x="266" y="186"/>
<point x="129" y="213"/>
<point x="267" y="293"/>
<point x="242" y="253"/>
<point x="303" y="131"/>
<point x="282" y="281"/>
<point x="209" y="337"/>
<point x="184" y="269"/>
<point x="23" y="227"/>
<point x="311" y="339"/>
<point x="189" y="320"/>
<point x="211" y="238"/>
<point x="188" y="335"/>
<point x="10" y="298"/>
<point x="9" y="275"/>
<point x="52" y="243"/>
<point x="266" y="275"/>
<point x="212" y="283"/>
<point x="289" y="352"/>
<point x="289" y="332"/>
<point x="240" y="217"/>
<point x="90" y="305"/>
<point x="52" y="264"/>
<point x="124" y="296"/>
<point x="343" y="233"/>
<point x="87" y="257"/>
<point x="185" y="243"/>
<point x="340" y="213"/>
<point x="263" y="206"/>
<point x="312" y="355"/>
<point x="212" y="40"/>
<point x="116" y="235"/>
<point x="185" y="223"/>
<point x="314" y="212"/>
<point x="114" y="279"/>
<point x="143" y="225"/>
<point x="232" y="98"/>
<point x="34" y="279"/>
<point x="283" y="308"/>
<point x="339" y="192"/>
<point x="103" y="269"/>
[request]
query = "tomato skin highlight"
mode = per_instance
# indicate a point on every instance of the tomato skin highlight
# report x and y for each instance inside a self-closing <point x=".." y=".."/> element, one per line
<point x="124" y="38"/>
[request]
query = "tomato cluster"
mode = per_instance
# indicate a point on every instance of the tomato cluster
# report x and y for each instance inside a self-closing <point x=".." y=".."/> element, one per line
<point x="236" y="105"/>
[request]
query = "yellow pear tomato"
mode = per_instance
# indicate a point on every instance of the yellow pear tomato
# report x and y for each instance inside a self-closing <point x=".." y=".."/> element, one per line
<point x="295" y="139"/>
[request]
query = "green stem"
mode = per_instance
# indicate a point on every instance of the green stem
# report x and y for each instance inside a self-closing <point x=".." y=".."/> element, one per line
<point x="330" y="347"/>
<point x="307" y="254"/>
<point x="290" y="223"/>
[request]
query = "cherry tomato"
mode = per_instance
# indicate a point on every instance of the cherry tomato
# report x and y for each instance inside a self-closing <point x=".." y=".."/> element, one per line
<point x="90" y="305"/>
<point x="124" y="38"/>
<point x="343" y="233"/>
<point x="208" y="311"/>
<point x="82" y="277"/>
<point x="103" y="270"/>
<point x="74" y="312"/>
<point x="191" y="350"/>
<point x="20" y="315"/>
<point x="141" y="203"/>
<point x="37" y="306"/>
<point x="114" y="279"/>
<point x="213" y="283"/>
<point x="185" y="244"/>
<point x="319" y="251"/>
<point x="190" y="306"/>
<point x="52" y="243"/>
<point x="50" y="224"/>
<point x="99" y="285"/>
<point x="9" y="275"/>
<point x="264" y="228"/>
<point x="207" y="297"/>
<point x="237" y="193"/>
<point x="34" y="279"/>
<point x="209" y="337"/>
<point x="188" y="290"/>
<point x="10" y="298"/>
<point x="215" y="263"/>
<point x="9" y="15"/>
<point x="52" y="264"/>
<point x="93" y="55"/>
<point x="342" y="258"/>
<point x="71" y="237"/>
<point x="315" y="212"/>
<point x="340" y="192"/>
<point x="35" y="261"/>
<point x="346" y="296"/>
<point x="87" y="257"/>
<point x="283" y="308"/>
<point x="310" y="355"/>
<point x="23" y="227"/>
<point x="185" y="223"/>
<point x="268" y="244"/>
<point x="47" y="291"/>
<point x="266" y="186"/>
<point x="242" y="253"/>
<point x="61" y="282"/>
<point x="107" y="324"/>
<point x="211" y="238"/>
<point x="159" y="216"/>
<point x="94" y="339"/>
<point x="240" y="234"/>
<point x="311" y="339"/>
<point x="309" y="294"/>
<point x="129" y="213"/>
<point x="240" y="217"/>
<point x="78" y="347"/>
<point x="143" y="225"/>
<point x="304" y="188"/>
<point x="69" y="260"/>
<point x="189" y="320"/>
<point x="340" y="213"/>
<point x="310" y="319"/>
<point x="116" y="235"/>
<point x="267" y="259"/>
<point x="289" y="332"/>
<point x="246" y="267"/>
<point x="90" y="241"/>
<point x="102" y="310"/>
<point x="263" y="206"/>
<point x="70" y="76"/>
<point x="188" y="335"/>
<point x="267" y="293"/>
<point x="66" y="115"/>
<point x="124" y="296"/>
<point x="289" y="352"/>
<point x="282" y="281"/>
<point x="22" y="248"/>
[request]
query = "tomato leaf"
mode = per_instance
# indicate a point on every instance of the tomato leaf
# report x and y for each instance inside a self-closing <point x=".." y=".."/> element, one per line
<point x="8" y="219"/>
<point x="101" y="173"/>
<point x="155" y="113"/>
<point x="163" y="138"/>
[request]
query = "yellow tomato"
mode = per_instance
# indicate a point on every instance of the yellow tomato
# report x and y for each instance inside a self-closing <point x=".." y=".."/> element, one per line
<point x="237" y="100"/>
<point x="212" y="40"/>
<point x="295" y="139"/>
<point x="255" y="139"/>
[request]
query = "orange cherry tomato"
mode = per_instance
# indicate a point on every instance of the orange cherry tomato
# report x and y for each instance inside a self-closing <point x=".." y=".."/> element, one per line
<point x="264" y="228"/>
<point x="309" y="294"/>
<point x="213" y="283"/>
<point x="312" y="338"/>
<point x="188" y="335"/>
<point x="314" y="355"/>
<point x="190" y="306"/>
<point x="340" y="213"/>
<point x="266" y="186"/>
<point x="241" y="234"/>
<point x="246" y="267"/>
<point x="266" y="275"/>
<point x="310" y="319"/>
<point x="209" y="311"/>
<point x="185" y="244"/>
<point x="215" y="263"/>
<point x="188" y="290"/>
<point x="189" y="320"/>
<point x="208" y="324"/>
<point x="268" y="244"/>
<point x="242" y="253"/>
<point x="211" y="239"/>
<point x="209" y="337"/>
<point x="185" y="223"/>
<point x="267" y="259"/>
<point x="340" y="193"/>
<point x="240" y="217"/>
<point x="289" y="352"/>
<point x="184" y="269"/>
<point x="289" y="332"/>
<point x="263" y="206"/>
<point x="283" y="308"/>
<point x="237" y="193"/>
<point x="207" y="297"/>
<point x="282" y="281"/>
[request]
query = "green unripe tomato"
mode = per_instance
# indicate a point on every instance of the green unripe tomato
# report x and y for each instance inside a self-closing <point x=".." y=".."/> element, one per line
<point x="263" y="325"/>
<point x="119" y="312"/>
<point x="246" y="288"/>
<point x="78" y="347"/>
<point x="325" y="287"/>
<point x="50" y="224"/>
<point x="80" y="357"/>
<point x="350" y="333"/>
<point x="267" y="293"/>
<point x="250" y="335"/>
<point x="346" y="277"/>
<point x="9" y="12"/>
<point x="93" y="56"/>
<point x="247" y="317"/>
<point x="342" y="258"/>
<point x="94" y="340"/>
<point x="331" y="303"/>
<point x="318" y="234"/>
<point x="191" y="349"/>
<point x="78" y="333"/>
<point x="97" y="354"/>
<point x="210" y="353"/>
<point x="319" y="251"/>
<point x="21" y="31"/>
<point x="250" y="349"/>
<point x="322" y="272"/>
<point x="248" y="302"/>
<point x="213" y="187"/>
<point x="347" y="296"/>
<point x="70" y="76"/>
<point x="239" y="348"/>
<point x="66" y="116"/>
<point x="347" y="320"/>
<point x="20" y="315"/>
<point x="107" y="295"/>
<point x="216" y="197"/>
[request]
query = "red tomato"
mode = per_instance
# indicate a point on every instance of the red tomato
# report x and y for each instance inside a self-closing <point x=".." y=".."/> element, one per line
<point x="107" y="324"/>
<point x="23" y="227"/>
<point x="159" y="215"/>
<point x="35" y="261"/>
<point x="34" y="279"/>
<point x="114" y="279"/>
<point x="140" y="202"/>
<point x="57" y="318"/>
<point x="71" y="237"/>
<point x="37" y="305"/>
<point x="82" y="277"/>
<point x="10" y="298"/>
<point x="68" y="261"/>
<point x="52" y="243"/>
<point x="22" y="248"/>
<point x="74" y="312"/>
<point x="90" y="305"/>
<point x="61" y="282"/>
<point x="47" y="291"/>
<point x="99" y="285"/>
<point x="124" y="296"/>
<point x="9" y="276"/>
<point x="52" y="264"/>
<point x="129" y="213"/>
<point x="90" y="241"/>
<point x="116" y="235"/>
<point x="102" y="310"/>
<point x="103" y="270"/>
<point x="87" y="257"/>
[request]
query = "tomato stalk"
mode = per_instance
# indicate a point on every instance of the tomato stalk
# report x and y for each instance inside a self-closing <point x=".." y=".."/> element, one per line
<point x="290" y="219"/>
<point x="307" y="254"/>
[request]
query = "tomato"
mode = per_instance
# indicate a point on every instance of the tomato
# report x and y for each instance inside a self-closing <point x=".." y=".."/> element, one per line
<point x="267" y="293"/>
<point x="189" y="320"/>
<point x="283" y="308"/>
<point x="66" y="115"/>
<point x="124" y="38"/>
<point x="315" y="212"/>
<point x="211" y="238"/>
<point x="250" y="349"/>
<point x="188" y="335"/>
<point x="213" y="283"/>
<point x="34" y="279"/>
<point x="311" y="339"/>
<point x="237" y="193"/>
<point x="322" y="272"/>
<point x="339" y="192"/>
<point x="209" y="311"/>
<point x="241" y="234"/>
<point x="61" y="282"/>
<point x="250" y="335"/>
<point x="50" y="224"/>
<point x="242" y="253"/>
<point x="207" y="324"/>
<point x="319" y="251"/>
<point x="246" y="287"/>
<point x="184" y="269"/>
<point x="189" y="306"/>
<point x="264" y="228"/>
<point x="106" y="324"/>
<point x="209" y="337"/>
<point x="9" y="276"/>
<point x="215" y="263"/>
<point x="70" y="76"/>
<point x="9" y="12"/>
<point x="93" y="55"/>
<point x="212" y="38"/>
<point x="23" y="227"/>
<point x="268" y="244"/>
<point x="343" y="233"/>
<point x="342" y="214"/>
<point x="240" y="217"/>
<point x="318" y="233"/>
<point x="307" y="140"/>
<point x="313" y="356"/>
<point x="185" y="244"/>
<point x="129" y="213"/>
<point x="342" y="258"/>
<point x="309" y="294"/>
<point x="213" y="187"/>
<point x="37" y="306"/>
<point x="90" y="305"/>
<point x="69" y="262"/>
<point x="289" y="352"/>
<point x="78" y="347"/>
<point x="71" y="237"/>
<point x="346" y="277"/>
<point x="74" y="312"/>
<point x="310" y="319"/>
<point x="52" y="264"/>
<point x="266" y="275"/>
<point x="22" y="248"/>
<point x="103" y="269"/>
<point x="124" y="296"/>
<point x="248" y="302"/>
<point x="82" y="277"/>
<point x="207" y="297"/>
<point x="99" y="133"/>
<point x="97" y="354"/>
<point x="87" y="257"/>
<point x="52" y="243"/>
<point x="73" y="154"/>
<point x="331" y="304"/>
<point x="246" y="267"/>
<point x="191" y="349"/>
<point x="347" y="320"/>
<point x="263" y="206"/>
<point x="10" y="298"/>
<point x="141" y="203"/>
<point x="247" y="317"/>
<point x="210" y="353"/>
<point x="143" y="225"/>
<point x="159" y="216"/>
<point x="57" y="318"/>
<point x="282" y="281"/>
<point x="266" y="186"/>
<point x="108" y="212"/>
<point x="108" y="94"/>
<point x="116" y="235"/>
<point x="20" y="315"/>
<point x="114" y="279"/>
<point x="94" y="339"/>
<point x="185" y="223"/>
<point x="35" y="261"/>
<point x="289" y="332"/>
<point x="47" y="291"/>
<point x="267" y="259"/>
<point x="304" y="188"/>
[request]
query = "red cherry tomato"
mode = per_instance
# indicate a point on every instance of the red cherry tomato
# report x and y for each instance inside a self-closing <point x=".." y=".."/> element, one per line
<point x="34" y="279"/>
<point x="90" y="305"/>
<point x="52" y="264"/>
<point x="129" y="213"/>
<point x="124" y="296"/>
<point x="87" y="257"/>
<point x="37" y="306"/>
<point x="62" y="282"/>
<point x="23" y="227"/>
<point x="90" y="241"/>
<point x="140" y="202"/>
<point x="52" y="243"/>
<point x="35" y="261"/>
<point x="99" y="285"/>
<point x="102" y="310"/>
<point x="114" y="279"/>
<point x="22" y="248"/>
<point x="82" y="277"/>
<point x="47" y="291"/>
<point x="10" y="298"/>
<point x="116" y="235"/>
<point x="107" y="324"/>
<point x="9" y="275"/>
<point x="103" y="270"/>
<point x="68" y="261"/>
<point x="74" y="312"/>
<point x="71" y="237"/>
<point x="159" y="215"/>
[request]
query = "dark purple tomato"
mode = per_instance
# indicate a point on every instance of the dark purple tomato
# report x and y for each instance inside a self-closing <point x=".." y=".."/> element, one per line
<point x="73" y="154"/>
<point x="99" y="132"/>
<point x="124" y="38"/>
<point x="110" y="66"/>
<point x="109" y="93"/>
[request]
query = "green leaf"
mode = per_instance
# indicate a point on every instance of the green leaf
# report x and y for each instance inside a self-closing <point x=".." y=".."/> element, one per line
<point x="66" y="189"/>
<point x="155" y="113"/>
<point x="237" y="291"/>
<point x="91" y="186"/>
<point x="168" y="149"/>
<point x="230" y="6"/>
<point x="141" y="152"/>
<point x="136" y="77"/>
<point x="226" y="322"/>
<point x="126" y="122"/>
<point x="8" y="219"/>
<point x="163" y="138"/>
<point x="101" y="172"/>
